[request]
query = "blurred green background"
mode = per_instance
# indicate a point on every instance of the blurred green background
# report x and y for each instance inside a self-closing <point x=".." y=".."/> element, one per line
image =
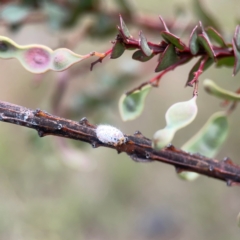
<point x="57" y="189"/>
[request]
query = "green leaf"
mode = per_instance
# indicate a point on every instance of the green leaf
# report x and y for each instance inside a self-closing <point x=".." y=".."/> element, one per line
<point x="210" y="137"/>
<point x="178" y="116"/>
<point x="181" y="114"/>
<point x="237" y="58"/>
<point x="144" y="45"/>
<point x="225" y="61"/>
<point x="205" y="42"/>
<point x="193" y="42"/>
<point x="171" y="38"/>
<point x="207" y="141"/>
<point x="14" y="13"/>
<point x="140" y="56"/>
<point x="124" y="28"/>
<point x="216" y="36"/>
<point x="213" y="89"/>
<point x="167" y="58"/>
<point x="118" y="50"/>
<point x="208" y="63"/>
<point x="237" y="37"/>
<point x="131" y="106"/>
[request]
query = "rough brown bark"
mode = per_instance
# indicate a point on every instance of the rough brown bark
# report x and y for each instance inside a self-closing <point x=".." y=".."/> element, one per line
<point x="138" y="147"/>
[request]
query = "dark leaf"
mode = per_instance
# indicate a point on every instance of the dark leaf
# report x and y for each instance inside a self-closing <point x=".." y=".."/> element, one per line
<point x="117" y="50"/>
<point x="144" y="45"/>
<point x="216" y="36"/>
<point x="124" y="28"/>
<point x="193" y="42"/>
<point x="140" y="56"/>
<point x="171" y="38"/>
<point x="167" y="58"/>
<point x="226" y="62"/>
<point x="205" y="42"/>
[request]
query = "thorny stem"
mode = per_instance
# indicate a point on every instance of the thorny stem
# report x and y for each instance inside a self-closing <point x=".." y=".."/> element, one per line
<point x="138" y="147"/>
<point x="101" y="57"/>
<point x="199" y="71"/>
<point x="155" y="81"/>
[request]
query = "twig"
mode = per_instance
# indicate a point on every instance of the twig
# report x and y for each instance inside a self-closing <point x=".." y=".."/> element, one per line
<point x="138" y="147"/>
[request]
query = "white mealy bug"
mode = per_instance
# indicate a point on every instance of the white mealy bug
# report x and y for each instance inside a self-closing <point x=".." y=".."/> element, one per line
<point x="110" y="135"/>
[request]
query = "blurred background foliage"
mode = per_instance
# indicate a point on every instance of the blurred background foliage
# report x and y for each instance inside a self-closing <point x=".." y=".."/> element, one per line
<point x="57" y="189"/>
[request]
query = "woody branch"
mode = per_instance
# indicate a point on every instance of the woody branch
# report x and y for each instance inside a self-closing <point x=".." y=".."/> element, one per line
<point x="138" y="147"/>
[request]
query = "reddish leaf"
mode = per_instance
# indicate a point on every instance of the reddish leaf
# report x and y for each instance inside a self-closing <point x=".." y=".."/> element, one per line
<point x="171" y="38"/>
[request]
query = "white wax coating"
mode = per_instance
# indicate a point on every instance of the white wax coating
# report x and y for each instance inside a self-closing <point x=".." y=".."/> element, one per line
<point x="110" y="135"/>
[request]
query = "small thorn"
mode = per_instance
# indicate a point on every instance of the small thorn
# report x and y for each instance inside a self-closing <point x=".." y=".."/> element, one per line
<point x="229" y="183"/>
<point x="179" y="170"/>
<point x="138" y="134"/>
<point x="37" y="111"/>
<point x="40" y="133"/>
<point x="148" y="155"/>
<point x="210" y="168"/>
<point x="59" y="126"/>
<point x="170" y="147"/>
<point x="84" y="121"/>
<point x="94" y="144"/>
<point x="118" y="151"/>
<point x="135" y="158"/>
<point x="228" y="160"/>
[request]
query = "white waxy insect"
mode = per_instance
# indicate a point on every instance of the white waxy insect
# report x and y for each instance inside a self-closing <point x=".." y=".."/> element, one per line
<point x="110" y="135"/>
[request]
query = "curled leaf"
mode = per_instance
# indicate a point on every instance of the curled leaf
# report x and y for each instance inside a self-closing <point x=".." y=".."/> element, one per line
<point x="144" y="45"/>
<point x="131" y="106"/>
<point x="213" y="89"/>
<point x="124" y="28"/>
<point x="178" y="116"/>
<point x="193" y="42"/>
<point x="207" y="141"/>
